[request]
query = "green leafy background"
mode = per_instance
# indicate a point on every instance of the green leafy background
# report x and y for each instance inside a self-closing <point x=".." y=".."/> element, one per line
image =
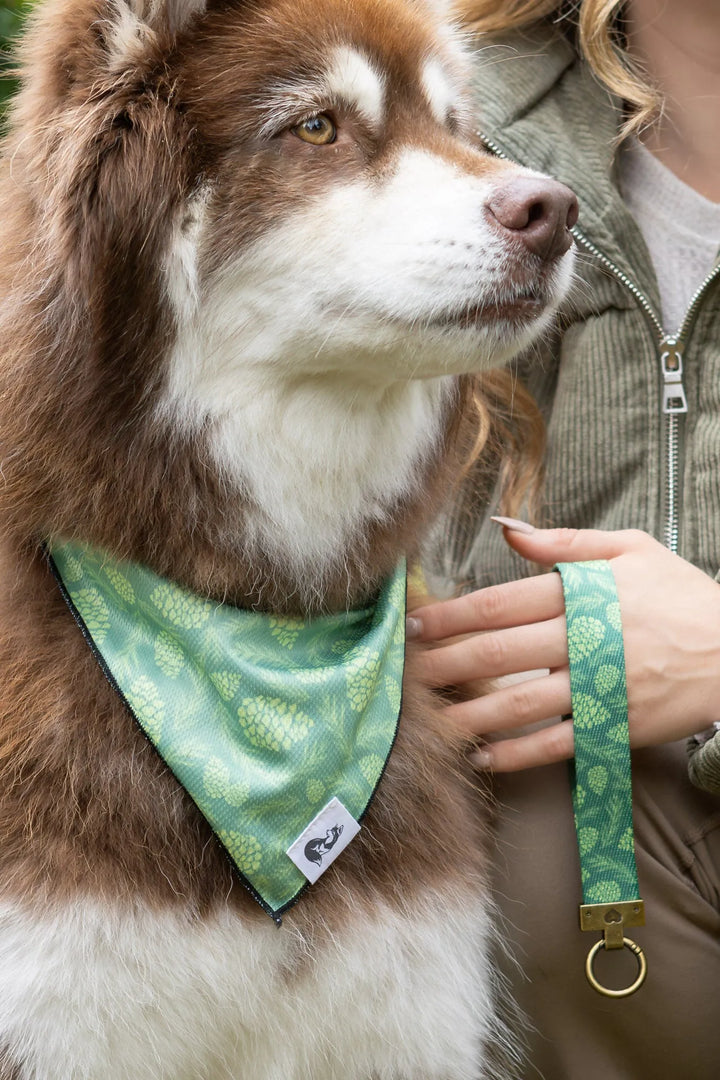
<point x="12" y="13"/>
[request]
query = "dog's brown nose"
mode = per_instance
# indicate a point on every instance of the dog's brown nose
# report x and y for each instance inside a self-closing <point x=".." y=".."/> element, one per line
<point x="537" y="211"/>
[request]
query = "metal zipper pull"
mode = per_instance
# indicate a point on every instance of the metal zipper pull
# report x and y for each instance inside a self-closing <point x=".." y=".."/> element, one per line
<point x="674" y="400"/>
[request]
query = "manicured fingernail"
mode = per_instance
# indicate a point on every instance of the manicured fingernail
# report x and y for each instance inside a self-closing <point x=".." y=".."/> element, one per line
<point x="481" y="759"/>
<point x="514" y="525"/>
<point x="413" y="628"/>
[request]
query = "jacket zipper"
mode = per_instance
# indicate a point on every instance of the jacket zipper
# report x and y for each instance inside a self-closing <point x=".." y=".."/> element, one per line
<point x="671" y="348"/>
<point x="674" y="400"/>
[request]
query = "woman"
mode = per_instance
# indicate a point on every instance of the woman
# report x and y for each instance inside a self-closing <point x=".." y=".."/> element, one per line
<point x="622" y="103"/>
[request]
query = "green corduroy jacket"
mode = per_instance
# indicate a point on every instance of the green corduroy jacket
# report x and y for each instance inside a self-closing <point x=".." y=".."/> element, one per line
<point x="614" y="459"/>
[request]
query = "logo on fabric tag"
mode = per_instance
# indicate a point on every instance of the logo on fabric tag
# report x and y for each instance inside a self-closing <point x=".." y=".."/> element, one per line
<point x="321" y="842"/>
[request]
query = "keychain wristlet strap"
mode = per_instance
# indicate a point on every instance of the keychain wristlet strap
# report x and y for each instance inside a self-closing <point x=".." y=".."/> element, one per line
<point x="600" y="773"/>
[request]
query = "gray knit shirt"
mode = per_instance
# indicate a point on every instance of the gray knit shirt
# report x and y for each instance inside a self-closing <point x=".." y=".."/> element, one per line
<point x="680" y="227"/>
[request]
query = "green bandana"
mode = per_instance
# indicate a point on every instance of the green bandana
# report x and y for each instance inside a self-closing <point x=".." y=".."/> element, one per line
<point x="278" y="728"/>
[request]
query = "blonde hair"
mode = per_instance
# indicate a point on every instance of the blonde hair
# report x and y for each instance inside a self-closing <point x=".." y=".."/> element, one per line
<point x="508" y="448"/>
<point x="598" y="38"/>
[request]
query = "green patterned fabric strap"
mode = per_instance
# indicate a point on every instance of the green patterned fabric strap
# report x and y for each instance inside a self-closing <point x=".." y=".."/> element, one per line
<point x="602" y="788"/>
<point x="600" y="773"/>
<point x="278" y="728"/>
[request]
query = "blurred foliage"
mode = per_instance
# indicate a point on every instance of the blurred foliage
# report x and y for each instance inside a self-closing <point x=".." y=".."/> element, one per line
<point x="12" y="13"/>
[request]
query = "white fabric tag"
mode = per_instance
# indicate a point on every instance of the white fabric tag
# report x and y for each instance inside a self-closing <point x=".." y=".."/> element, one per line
<point x="321" y="842"/>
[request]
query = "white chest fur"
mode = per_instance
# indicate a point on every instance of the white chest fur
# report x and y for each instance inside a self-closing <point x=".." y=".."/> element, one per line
<point x="319" y="460"/>
<point x="94" y="993"/>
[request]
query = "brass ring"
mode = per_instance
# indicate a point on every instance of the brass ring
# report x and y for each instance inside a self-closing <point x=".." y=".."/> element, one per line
<point x="642" y="969"/>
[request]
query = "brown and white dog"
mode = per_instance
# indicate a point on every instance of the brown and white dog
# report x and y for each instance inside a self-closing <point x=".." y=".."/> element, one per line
<point x="248" y="255"/>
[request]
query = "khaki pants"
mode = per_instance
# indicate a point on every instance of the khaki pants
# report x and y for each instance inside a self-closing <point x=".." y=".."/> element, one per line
<point x="669" y="1029"/>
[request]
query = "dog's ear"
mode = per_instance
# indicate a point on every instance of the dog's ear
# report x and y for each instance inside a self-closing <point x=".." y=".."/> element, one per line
<point x="172" y="15"/>
<point x="136" y="29"/>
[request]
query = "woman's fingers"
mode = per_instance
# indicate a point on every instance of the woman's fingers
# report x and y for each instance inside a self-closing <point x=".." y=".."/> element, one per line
<point x="550" y="744"/>
<point x="549" y="546"/>
<point x="528" y="600"/>
<point x="502" y="652"/>
<point x="514" y="706"/>
<point x="671" y="631"/>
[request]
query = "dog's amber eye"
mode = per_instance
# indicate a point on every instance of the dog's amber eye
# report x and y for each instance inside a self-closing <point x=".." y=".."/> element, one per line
<point x="318" y="130"/>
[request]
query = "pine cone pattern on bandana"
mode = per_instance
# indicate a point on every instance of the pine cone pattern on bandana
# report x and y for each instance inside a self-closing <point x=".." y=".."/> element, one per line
<point x="97" y="616"/>
<point x="272" y="723"/>
<point x="262" y="719"/>
<point x="121" y="584"/>
<point x="179" y="607"/>
<point x="169" y="655"/>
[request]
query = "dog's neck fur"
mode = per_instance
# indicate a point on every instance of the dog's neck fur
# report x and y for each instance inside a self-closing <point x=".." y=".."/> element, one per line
<point x="323" y="463"/>
<point x="292" y="497"/>
<point x="290" y="494"/>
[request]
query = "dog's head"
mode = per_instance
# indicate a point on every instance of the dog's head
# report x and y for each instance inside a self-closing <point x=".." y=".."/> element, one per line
<point x="211" y="200"/>
<point x="294" y="178"/>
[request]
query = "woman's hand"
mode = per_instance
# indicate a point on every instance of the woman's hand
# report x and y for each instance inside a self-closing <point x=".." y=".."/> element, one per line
<point x="671" y="630"/>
